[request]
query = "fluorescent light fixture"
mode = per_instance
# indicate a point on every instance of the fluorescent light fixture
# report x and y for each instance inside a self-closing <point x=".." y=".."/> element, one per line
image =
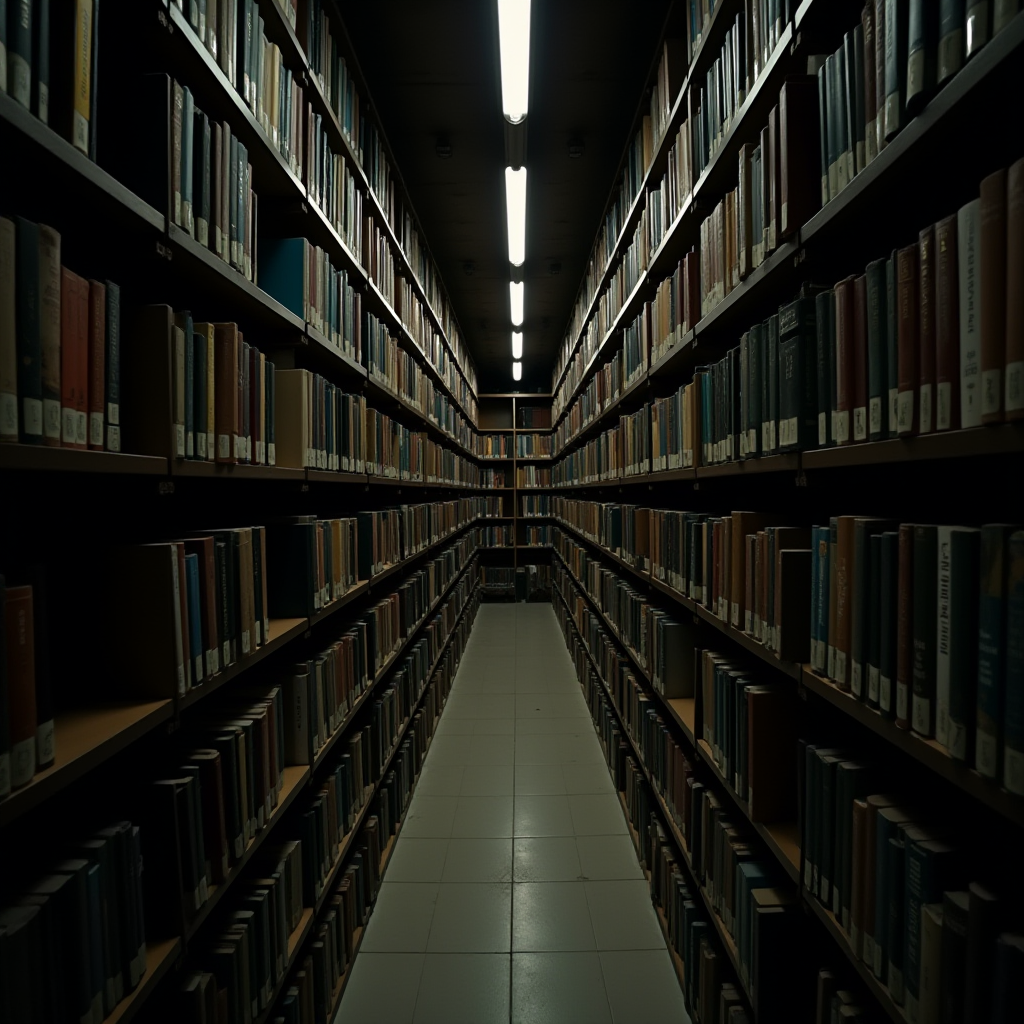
<point x="514" y="43"/>
<point x="517" y="344"/>
<point x="516" y="290"/>
<point x="517" y="371"/>
<point x="515" y="208"/>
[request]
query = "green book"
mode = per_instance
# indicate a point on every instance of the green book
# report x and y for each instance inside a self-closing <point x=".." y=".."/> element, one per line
<point x="922" y="718"/>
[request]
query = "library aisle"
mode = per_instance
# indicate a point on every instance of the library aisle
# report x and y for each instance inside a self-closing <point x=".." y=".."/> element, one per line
<point x="514" y="893"/>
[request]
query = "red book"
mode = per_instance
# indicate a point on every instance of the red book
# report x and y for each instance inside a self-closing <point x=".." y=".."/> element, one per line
<point x="992" y="280"/>
<point x="860" y="358"/>
<point x="906" y="339"/>
<point x="844" y="359"/>
<point x="97" y="361"/>
<point x="926" y="329"/>
<point x="947" y="327"/>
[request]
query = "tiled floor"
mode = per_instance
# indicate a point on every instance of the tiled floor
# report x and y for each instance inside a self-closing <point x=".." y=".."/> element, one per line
<point x="514" y="893"/>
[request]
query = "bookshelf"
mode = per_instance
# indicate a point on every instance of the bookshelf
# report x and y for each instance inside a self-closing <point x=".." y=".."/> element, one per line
<point x="116" y="221"/>
<point x="602" y="392"/>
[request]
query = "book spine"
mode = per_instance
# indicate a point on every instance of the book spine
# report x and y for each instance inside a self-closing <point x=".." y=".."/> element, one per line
<point x="1014" y="396"/>
<point x="97" y="356"/>
<point x="951" y="38"/>
<point x="993" y="287"/>
<point x="112" y="363"/>
<point x="905" y="626"/>
<point x="947" y="326"/>
<point x="83" y="75"/>
<point x="19" y="52"/>
<point x="896" y="14"/>
<point x="926" y="329"/>
<point x="892" y="344"/>
<point x="860" y="359"/>
<point x="991" y="649"/>
<point x="888" y="615"/>
<point x="943" y="631"/>
<point x="968" y="231"/>
<point x="921" y="47"/>
<point x="1013" y="715"/>
<point x="907" y="339"/>
<point x="50" y="332"/>
<point x="845" y="359"/>
<point x="963" y="642"/>
<point x="977" y="26"/>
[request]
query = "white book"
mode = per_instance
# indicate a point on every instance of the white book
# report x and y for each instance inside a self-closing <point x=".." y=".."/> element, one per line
<point x="968" y="265"/>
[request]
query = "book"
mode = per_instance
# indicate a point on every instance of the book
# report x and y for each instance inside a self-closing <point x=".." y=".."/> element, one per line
<point x="876" y="348"/>
<point x="71" y="73"/>
<point x="951" y="39"/>
<point x="97" y="351"/>
<point x="955" y="916"/>
<point x="908" y="343"/>
<point x="21" y="683"/>
<point x="930" y="995"/>
<point x="896" y="31"/>
<point x="977" y="31"/>
<point x="992" y="287"/>
<point x="957" y="638"/>
<point x="1013" y="401"/>
<point x="947" y="326"/>
<point x="8" y="333"/>
<point x="922" y="32"/>
<point x="968" y="237"/>
<point x="925" y="601"/>
<point x="1013" y="715"/>
<point x="926" y="330"/>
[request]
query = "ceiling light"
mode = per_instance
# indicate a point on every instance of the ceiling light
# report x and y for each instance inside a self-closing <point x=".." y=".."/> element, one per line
<point x="517" y="344"/>
<point x="517" y="371"/>
<point x="514" y="43"/>
<point x="515" y="291"/>
<point x="515" y="208"/>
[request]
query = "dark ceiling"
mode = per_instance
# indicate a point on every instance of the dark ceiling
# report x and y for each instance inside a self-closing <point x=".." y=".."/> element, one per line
<point x="432" y="68"/>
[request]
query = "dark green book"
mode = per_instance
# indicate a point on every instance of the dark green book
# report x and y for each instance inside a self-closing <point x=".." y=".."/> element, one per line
<point x="926" y="553"/>
<point x="873" y="624"/>
<point x="951" y="38"/>
<point x="887" y="823"/>
<point x="823" y="130"/>
<point x="896" y="14"/>
<point x="28" y="340"/>
<point x="112" y="368"/>
<point x="863" y="598"/>
<point x="955" y="917"/>
<point x="853" y="165"/>
<point x="1009" y="969"/>
<point x="891" y="347"/>
<point x="19" y="52"/>
<point x="41" y="61"/>
<point x="896" y="935"/>
<point x="841" y="107"/>
<point x="20" y="954"/>
<point x="770" y="359"/>
<point x="832" y="125"/>
<point x="888" y="610"/>
<point x="961" y="668"/>
<point x="922" y="43"/>
<point x="857" y="78"/>
<point x="798" y="409"/>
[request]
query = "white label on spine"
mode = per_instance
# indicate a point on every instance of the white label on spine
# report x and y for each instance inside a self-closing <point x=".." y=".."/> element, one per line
<point x="96" y="428"/>
<point x="901" y="702"/>
<point x="921" y="708"/>
<point x="199" y="668"/>
<point x="113" y="438"/>
<point x="943" y="399"/>
<point x="1014" y="386"/>
<point x="68" y="434"/>
<point x="840" y="668"/>
<point x="822" y="429"/>
<point x="8" y="414"/>
<point x="857" y="679"/>
<point x="179" y="440"/>
<point x="201" y="444"/>
<point x="245" y="641"/>
<point x="44" y="743"/>
<point x="987" y="748"/>
<point x="52" y="419"/>
<point x="842" y="426"/>
<point x="905" y="412"/>
<point x="860" y="423"/>
<point x="926" y="409"/>
<point x="875" y="416"/>
<point x="81" y="431"/>
<point x="223" y="446"/>
<point x="991" y="391"/>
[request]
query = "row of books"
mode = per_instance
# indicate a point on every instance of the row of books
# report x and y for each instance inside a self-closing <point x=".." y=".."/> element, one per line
<point x="532" y="445"/>
<point x="495" y="536"/>
<point x="244" y="963"/>
<point x="497" y="577"/>
<point x="603" y="388"/>
<point x="322" y="691"/>
<point x="685" y="919"/>
<point x="52" y="66"/>
<point x="494" y="508"/>
<point x="74" y="942"/>
<point x="535" y="505"/>
<point x="887" y="69"/>
<point x="658" y="642"/>
<point x="537" y="536"/>
<point x="492" y="479"/>
<point x="533" y="476"/>
<point x="309" y="998"/>
<point x="494" y="446"/>
<point x="622" y="450"/>
<point x="202" y="817"/>
<point x="60" y="345"/>
<point x="905" y="893"/>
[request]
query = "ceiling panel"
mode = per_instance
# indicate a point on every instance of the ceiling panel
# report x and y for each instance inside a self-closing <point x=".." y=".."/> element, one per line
<point x="432" y="69"/>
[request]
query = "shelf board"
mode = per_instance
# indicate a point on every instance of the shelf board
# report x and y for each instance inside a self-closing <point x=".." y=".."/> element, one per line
<point x="279" y="633"/>
<point x="925" y="751"/>
<point x="295" y="778"/>
<point x="160" y="957"/>
<point x="84" y="739"/>
<point x="234" y="471"/>
<point x="327" y="476"/>
<point x="973" y="442"/>
<point x="787" y="462"/>
<point x="357" y="590"/>
<point x="42" y="458"/>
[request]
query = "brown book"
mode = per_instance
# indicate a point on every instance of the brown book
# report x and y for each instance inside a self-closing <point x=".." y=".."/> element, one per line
<point x="761" y="249"/>
<point x="867" y="20"/>
<point x="993" y="283"/>
<point x="860" y="358"/>
<point x="907" y="310"/>
<point x="843" y="570"/>
<point x="905" y="625"/>
<point x="203" y="548"/>
<point x="845" y="349"/>
<point x="771" y="740"/>
<point x="97" y="362"/>
<point x="743" y="523"/>
<point x="260" y="540"/>
<point x="750" y="582"/>
<point x="947" y="327"/>
<point x="691" y="284"/>
<point x="1014" y="390"/>
<point x="926" y="329"/>
<point x="226" y="345"/>
<point x="74" y="353"/>
<point x="799" y="153"/>
<point x="21" y="682"/>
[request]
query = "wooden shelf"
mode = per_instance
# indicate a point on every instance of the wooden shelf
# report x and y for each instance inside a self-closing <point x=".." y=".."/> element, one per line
<point x="42" y="458"/>
<point x="160" y="958"/>
<point x="232" y="471"/>
<point x="83" y="740"/>
<point x="925" y="751"/>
